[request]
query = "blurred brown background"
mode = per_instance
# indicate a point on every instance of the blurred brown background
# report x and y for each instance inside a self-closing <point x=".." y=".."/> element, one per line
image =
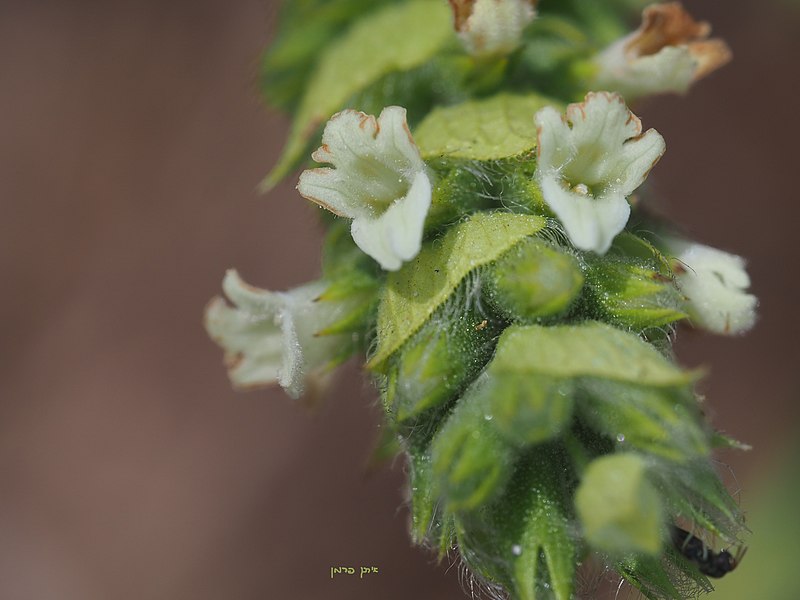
<point x="132" y="142"/>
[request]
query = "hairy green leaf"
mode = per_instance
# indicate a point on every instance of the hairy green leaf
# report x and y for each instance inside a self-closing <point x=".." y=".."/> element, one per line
<point x="590" y="349"/>
<point x="498" y="127"/>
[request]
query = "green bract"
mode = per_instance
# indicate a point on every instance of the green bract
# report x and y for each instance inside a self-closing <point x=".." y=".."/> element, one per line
<point x="414" y="292"/>
<point x="524" y="541"/>
<point x="588" y="350"/>
<point x="498" y="127"/>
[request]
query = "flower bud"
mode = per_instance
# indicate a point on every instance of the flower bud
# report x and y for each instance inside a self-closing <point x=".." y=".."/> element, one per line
<point x="533" y="281"/>
<point x="636" y="291"/>
<point x="491" y="26"/>
<point x="668" y="53"/>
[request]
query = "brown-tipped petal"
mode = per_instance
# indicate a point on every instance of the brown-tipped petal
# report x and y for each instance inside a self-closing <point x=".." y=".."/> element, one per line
<point x="665" y="25"/>
<point x="710" y="56"/>
<point x="491" y="27"/>
<point x="462" y="10"/>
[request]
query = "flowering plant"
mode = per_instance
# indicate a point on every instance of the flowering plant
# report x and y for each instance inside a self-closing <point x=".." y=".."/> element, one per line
<point x="516" y="319"/>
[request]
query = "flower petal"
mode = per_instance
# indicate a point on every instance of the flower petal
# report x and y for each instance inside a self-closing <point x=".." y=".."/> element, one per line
<point x="271" y="337"/>
<point x="379" y="180"/>
<point x="590" y="223"/>
<point x="587" y="170"/>
<point x="635" y="160"/>
<point x="668" y="52"/>
<point x="491" y="26"/>
<point x="554" y="145"/>
<point x="600" y="126"/>
<point x="374" y="161"/>
<point x="252" y="340"/>
<point x="396" y="235"/>
<point x="714" y="283"/>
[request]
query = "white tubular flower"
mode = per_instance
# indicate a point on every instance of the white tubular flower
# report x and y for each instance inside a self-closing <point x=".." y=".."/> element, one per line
<point x="668" y="53"/>
<point x="714" y="283"/>
<point x="491" y="26"/>
<point x="270" y="337"/>
<point x="589" y="162"/>
<point x="379" y="180"/>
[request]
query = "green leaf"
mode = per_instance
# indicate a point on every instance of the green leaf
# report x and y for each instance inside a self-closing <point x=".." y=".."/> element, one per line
<point x="305" y="27"/>
<point x="722" y="440"/>
<point x="523" y="541"/>
<point x="414" y="292"/>
<point x="498" y="127"/>
<point x="395" y="38"/>
<point x="669" y="577"/>
<point x="647" y="574"/>
<point x="590" y="349"/>
<point x="439" y="81"/>
<point x="620" y="510"/>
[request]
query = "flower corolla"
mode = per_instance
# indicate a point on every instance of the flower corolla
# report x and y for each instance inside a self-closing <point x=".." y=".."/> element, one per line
<point x="714" y="283"/>
<point x="589" y="162"/>
<point x="274" y="337"/>
<point x="489" y="27"/>
<point x="668" y="53"/>
<point x="378" y="180"/>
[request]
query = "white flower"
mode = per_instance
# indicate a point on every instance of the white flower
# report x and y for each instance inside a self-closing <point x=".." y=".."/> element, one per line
<point x="271" y="337"/>
<point x="491" y="26"/>
<point x="379" y="180"/>
<point x="714" y="283"/>
<point x="668" y="52"/>
<point x="589" y="162"/>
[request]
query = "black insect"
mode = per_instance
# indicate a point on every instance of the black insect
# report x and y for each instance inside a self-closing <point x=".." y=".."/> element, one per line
<point x="710" y="563"/>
